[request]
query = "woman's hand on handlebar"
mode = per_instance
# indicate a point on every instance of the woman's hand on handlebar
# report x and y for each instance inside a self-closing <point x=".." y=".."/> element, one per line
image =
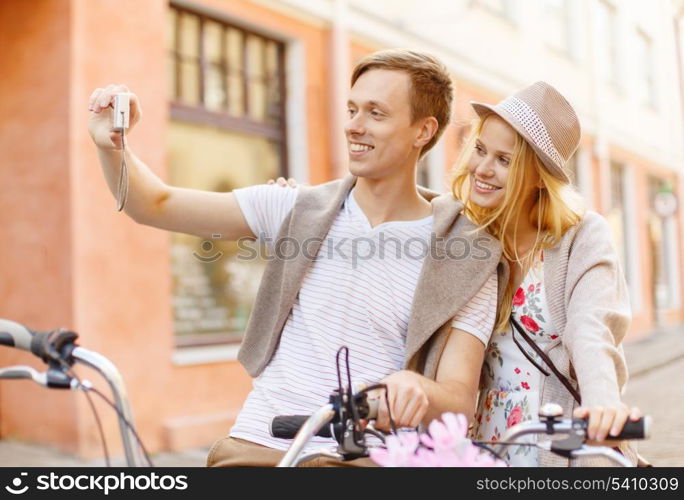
<point x="606" y="421"/>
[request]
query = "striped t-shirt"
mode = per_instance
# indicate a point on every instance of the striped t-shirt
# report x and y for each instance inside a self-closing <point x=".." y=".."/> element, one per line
<point x="357" y="293"/>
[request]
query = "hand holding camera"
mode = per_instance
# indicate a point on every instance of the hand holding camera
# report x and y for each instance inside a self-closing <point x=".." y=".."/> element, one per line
<point x="113" y="110"/>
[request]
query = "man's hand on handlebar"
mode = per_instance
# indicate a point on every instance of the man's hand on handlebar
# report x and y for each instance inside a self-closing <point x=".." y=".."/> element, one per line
<point x="407" y="397"/>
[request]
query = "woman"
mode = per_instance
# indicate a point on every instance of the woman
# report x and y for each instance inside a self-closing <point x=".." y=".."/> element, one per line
<point x="566" y="290"/>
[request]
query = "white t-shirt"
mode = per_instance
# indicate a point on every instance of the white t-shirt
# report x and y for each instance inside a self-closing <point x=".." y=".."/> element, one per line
<point x="357" y="293"/>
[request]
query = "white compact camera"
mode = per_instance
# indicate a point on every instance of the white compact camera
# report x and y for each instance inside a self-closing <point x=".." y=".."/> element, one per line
<point x="122" y="111"/>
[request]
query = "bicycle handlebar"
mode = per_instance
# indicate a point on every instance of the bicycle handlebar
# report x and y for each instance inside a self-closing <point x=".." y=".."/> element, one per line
<point x="15" y="335"/>
<point x="287" y="426"/>
<point x="58" y="349"/>
<point x="574" y="445"/>
<point x="639" y="429"/>
<point x="309" y="428"/>
<point x="54" y="345"/>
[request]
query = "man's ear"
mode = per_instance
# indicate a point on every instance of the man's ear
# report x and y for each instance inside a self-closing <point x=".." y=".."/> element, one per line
<point x="427" y="131"/>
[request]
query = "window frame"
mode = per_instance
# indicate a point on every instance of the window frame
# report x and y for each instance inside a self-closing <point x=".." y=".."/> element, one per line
<point x="646" y="67"/>
<point x="200" y="114"/>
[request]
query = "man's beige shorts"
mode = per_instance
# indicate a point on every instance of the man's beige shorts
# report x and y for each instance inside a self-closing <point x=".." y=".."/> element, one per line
<point x="234" y="452"/>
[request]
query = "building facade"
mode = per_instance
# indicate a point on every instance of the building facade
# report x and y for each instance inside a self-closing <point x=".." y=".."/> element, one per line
<point x="235" y="92"/>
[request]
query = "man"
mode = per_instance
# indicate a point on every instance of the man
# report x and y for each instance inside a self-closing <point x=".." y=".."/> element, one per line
<point x="428" y="312"/>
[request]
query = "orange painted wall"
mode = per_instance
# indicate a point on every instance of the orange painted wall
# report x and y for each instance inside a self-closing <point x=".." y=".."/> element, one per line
<point x="177" y="406"/>
<point x="71" y="259"/>
<point x="462" y="119"/>
<point x="357" y="51"/>
<point x="122" y="282"/>
<point x="36" y="284"/>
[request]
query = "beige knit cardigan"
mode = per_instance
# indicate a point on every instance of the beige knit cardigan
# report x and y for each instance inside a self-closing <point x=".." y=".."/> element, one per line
<point x="588" y="301"/>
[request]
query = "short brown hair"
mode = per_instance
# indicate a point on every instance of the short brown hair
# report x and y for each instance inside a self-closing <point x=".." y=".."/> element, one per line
<point x="431" y="91"/>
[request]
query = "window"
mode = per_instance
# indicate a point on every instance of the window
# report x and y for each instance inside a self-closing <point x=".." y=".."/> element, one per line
<point x="606" y="41"/>
<point x="227" y="131"/>
<point x="556" y="24"/>
<point x="225" y="75"/>
<point x="617" y="215"/>
<point x="644" y="63"/>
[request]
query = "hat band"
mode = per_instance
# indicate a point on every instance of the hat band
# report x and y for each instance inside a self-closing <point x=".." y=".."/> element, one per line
<point x="533" y="125"/>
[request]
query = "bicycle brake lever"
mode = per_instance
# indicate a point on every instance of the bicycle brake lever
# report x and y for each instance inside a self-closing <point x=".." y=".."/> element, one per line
<point x="54" y="379"/>
<point x="573" y="442"/>
<point x="23" y="372"/>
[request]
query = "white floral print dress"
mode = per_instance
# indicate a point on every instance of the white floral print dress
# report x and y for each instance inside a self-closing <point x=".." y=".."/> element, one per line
<point x="510" y="384"/>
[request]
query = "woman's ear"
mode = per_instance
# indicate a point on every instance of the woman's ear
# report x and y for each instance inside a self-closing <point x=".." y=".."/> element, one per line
<point x="427" y="131"/>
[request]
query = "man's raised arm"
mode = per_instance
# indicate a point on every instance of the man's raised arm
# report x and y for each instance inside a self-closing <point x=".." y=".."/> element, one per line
<point x="150" y="201"/>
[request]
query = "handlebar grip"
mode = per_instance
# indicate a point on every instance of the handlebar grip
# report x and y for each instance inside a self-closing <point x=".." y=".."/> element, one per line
<point x="640" y="429"/>
<point x="287" y="426"/>
<point x="15" y="335"/>
<point x="52" y="345"/>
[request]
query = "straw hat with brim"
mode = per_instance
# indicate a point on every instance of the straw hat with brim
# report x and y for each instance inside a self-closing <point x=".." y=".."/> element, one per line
<point x="545" y="119"/>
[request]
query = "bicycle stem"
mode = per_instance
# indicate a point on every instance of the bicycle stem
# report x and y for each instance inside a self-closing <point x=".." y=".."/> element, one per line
<point x="321" y="417"/>
<point x="113" y="377"/>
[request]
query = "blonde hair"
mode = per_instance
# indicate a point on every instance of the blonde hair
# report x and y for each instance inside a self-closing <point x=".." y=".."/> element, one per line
<point x="431" y="91"/>
<point x="557" y="208"/>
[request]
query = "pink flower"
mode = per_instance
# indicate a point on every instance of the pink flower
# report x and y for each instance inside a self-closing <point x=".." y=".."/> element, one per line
<point x="530" y="288"/>
<point x="514" y="417"/>
<point x="529" y="323"/>
<point x="445" y="446"/>
<point x="519" y="297"/>
<point x="525" y="385"/>
<point x="446" y="434"/>
<point x="398" y="450"/>
<point x="517" y="370"/>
